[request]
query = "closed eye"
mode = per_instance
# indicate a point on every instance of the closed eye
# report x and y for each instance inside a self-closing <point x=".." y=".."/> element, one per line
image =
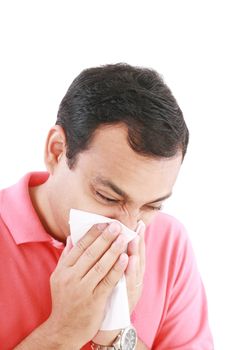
<point x="159" y="207"/>
<point x="106" y="199"/>
<point x="116" y="201"/>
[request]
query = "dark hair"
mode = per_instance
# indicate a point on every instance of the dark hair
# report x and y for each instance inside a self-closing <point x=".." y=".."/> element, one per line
<point x="120" y="93"/>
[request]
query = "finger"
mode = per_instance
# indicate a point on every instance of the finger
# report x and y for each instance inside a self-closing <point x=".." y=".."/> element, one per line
<point x="107" y="284"/>
<point x="66" y="250"/>
<point x="106" y="262"/>
<point x="69" y="244"/>
<point x="142" y="251"/>
<point x="136" y="266"/>
<point x="131" y="272"/>
<point x="133" y="246"/>
<point x="78" y="249"/>
<point x="96" y="250"/>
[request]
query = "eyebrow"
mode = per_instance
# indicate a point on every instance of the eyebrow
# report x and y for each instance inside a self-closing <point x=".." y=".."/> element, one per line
<point x="122" y="193"/>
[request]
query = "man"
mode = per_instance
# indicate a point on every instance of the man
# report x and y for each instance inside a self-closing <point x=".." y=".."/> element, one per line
<point x="116" y="150"/>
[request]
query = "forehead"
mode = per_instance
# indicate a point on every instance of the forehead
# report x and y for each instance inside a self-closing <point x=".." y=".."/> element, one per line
<point x="110" y="157"/>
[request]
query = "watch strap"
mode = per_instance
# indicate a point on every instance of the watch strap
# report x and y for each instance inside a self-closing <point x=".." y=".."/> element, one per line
<point x="101" y="347"/>
<point x="117" y="343"/>
<point x="95" y="346"/>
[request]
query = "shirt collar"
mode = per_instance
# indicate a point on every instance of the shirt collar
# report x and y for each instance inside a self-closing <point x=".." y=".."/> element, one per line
<point x="19" y="214"/>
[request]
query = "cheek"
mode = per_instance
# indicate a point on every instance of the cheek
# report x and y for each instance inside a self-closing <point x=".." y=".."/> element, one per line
<point x="86" y="202"/>
<point x="148" y="217"/>
<point x="104" y="210"/>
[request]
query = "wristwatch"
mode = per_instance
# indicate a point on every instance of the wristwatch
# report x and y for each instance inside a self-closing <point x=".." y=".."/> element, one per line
<point x="126" y="340"/>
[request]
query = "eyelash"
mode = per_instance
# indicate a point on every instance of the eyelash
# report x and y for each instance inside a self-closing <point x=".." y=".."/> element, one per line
<point x="160" y="207"/>
<point x="115" y="201"/>
<point x="106" y="199"/>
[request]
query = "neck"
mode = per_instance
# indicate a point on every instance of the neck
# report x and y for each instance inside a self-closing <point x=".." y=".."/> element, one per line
<point x="40" y="202"/>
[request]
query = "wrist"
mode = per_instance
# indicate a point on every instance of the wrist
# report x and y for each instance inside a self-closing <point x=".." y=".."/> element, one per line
<point x="125" y="339"/>
<point x="106" y="338"/>
<point x="60" y="337"/>
<point x="45" y="337"/>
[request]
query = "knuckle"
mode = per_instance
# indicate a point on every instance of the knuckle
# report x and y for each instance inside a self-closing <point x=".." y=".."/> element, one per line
<point x="114" y="250"/>
<point x="94" y="232"/>
<point x="106" y="238"/>
<point x="118" y="246"/>
<point x="89" y="253"/>
<point x="99" y="268"/>
<point x="81" y="246"/>
<point x="107" y="282"/>
<point x="54" y="279"/>
<point x="57" y="279"/>
<point x="117" y="268"/>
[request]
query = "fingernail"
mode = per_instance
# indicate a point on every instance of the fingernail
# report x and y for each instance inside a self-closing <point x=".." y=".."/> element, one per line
<point x="123" y="259"/>
<point x="114" y="227"/>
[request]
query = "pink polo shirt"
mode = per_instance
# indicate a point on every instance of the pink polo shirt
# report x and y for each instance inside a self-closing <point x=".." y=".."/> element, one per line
<point x="171" y="313"/>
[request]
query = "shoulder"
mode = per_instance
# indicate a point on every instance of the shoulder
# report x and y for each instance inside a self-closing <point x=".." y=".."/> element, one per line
<point x="165" y="227"/>
<point x="167" y="242"/>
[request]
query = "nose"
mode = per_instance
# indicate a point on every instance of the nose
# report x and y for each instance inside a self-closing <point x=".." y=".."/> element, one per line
<point x="129" y="219"/>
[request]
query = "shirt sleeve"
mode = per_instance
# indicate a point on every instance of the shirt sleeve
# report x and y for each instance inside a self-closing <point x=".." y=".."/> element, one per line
<point x="185" y="325"/>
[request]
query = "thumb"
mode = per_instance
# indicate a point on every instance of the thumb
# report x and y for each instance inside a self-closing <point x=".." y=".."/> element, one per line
<point x="141" y="228"/>
<point x="67" y="248"/>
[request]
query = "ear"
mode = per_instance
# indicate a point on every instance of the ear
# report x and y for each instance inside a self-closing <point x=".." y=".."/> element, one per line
<point x="55" y="147"/>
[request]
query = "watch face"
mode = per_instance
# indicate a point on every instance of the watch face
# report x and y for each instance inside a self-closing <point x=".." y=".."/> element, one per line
<point x="129" y="339"/>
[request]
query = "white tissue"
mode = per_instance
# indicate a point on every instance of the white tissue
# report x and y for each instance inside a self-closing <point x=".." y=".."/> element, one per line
<point x="117" y="309"/>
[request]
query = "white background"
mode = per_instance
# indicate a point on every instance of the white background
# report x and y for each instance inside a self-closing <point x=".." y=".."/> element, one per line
<point x="45" y="44"/>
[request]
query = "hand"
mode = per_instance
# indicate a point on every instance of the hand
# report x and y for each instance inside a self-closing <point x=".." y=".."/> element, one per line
<point x="82" y="282"/>
<point x="134" y="280"/>
<point x="135" y="269"/>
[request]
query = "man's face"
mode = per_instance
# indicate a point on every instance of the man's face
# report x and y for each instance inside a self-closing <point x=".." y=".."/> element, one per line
<point x="111" y="179"/>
